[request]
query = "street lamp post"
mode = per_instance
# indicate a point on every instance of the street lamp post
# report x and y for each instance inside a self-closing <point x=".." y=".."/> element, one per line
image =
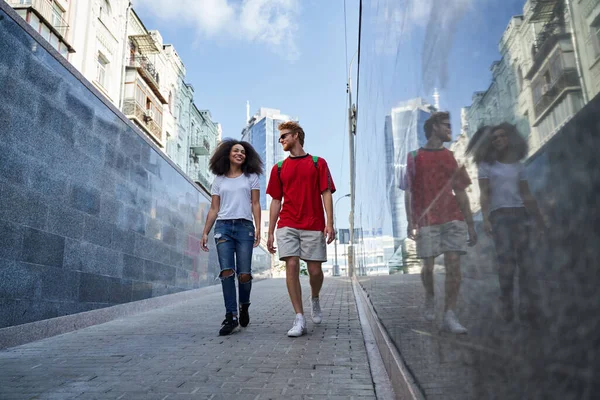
<point x="336" y="267"/>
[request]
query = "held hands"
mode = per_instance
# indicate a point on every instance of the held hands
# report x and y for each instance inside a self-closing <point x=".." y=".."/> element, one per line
<point x="272" y="249"/>
<point x="329" y="233"/>
<point x="487" y="227"/>
<point x="204" y="242"/>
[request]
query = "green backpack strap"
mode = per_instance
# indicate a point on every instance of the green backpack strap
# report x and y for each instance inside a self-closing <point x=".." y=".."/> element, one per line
<point x="280" y="164"/>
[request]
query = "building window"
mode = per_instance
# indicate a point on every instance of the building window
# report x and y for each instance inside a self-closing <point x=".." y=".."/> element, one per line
<point x="520" y="78"/>
<point x="595" y="33"/>
<point x="105" y="10"/>
<point x="101" y="71"/>
<point x="57" y="16"/>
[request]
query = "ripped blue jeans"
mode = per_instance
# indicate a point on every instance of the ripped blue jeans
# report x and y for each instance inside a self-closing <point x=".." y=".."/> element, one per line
<point x="235" y="241"/>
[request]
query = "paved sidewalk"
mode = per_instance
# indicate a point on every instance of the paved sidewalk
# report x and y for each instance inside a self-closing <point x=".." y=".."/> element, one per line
<point x="175" y="353"/>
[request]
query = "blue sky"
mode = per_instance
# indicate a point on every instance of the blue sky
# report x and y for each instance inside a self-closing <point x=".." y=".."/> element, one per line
<point x="295" y="61"/>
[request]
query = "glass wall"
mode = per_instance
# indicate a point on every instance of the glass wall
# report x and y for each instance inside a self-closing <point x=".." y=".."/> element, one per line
<point x="525" y="292"/>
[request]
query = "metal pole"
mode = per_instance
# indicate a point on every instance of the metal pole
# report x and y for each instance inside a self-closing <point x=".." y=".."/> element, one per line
<point x="336" y="266"/>
<point x="350" y="252"/>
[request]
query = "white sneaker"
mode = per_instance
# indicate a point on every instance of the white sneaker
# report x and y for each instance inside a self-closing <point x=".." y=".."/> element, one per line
<point x="299" y="327"/>
<point x="451" y="323"/>
<point x="317" y="315"/>
<point x="429" y="312"/>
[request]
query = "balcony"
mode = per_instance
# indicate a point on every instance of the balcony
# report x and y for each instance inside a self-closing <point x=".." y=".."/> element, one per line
<point x="46" y="12"/>
<point x="544" y="10"/>
<point x="551" y="92"/>
<point x="139" y="115"/>
<point x="148" y="72"/>
<point x="200" y="146"/>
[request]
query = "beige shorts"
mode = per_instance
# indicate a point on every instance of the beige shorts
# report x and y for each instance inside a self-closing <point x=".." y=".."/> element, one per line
<point x="308" y="245"/>
<point x="438" y="239"/>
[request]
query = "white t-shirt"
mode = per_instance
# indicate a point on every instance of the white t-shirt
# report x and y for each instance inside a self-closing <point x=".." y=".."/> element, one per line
<point x="504" y="183"/>
<point x="236" y="196"/>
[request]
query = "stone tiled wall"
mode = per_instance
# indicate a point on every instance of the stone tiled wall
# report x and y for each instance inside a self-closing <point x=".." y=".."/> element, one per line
<point x="91" y="213"/>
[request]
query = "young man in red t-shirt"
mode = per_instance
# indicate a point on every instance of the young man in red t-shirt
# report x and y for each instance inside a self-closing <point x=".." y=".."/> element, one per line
<point x="436" y="216"/>
<point x="305" y="185"/>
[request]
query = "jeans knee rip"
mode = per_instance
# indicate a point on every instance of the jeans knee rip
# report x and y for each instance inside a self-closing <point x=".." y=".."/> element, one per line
<point x="244" y="283"/>
<point x="229" y="276"/>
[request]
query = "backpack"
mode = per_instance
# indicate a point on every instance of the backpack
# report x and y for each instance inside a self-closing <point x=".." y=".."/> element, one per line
<point x="402" y="178"/>
<point x="280" y="164"/>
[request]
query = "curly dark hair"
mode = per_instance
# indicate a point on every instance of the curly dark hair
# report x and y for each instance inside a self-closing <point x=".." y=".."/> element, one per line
<point x="435" y="118"/>
<point x="481" y="147"/>
<point x="219" y="162"/>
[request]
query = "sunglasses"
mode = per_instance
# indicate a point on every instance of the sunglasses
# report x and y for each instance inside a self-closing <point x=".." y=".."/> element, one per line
<point x="282" y="137"/>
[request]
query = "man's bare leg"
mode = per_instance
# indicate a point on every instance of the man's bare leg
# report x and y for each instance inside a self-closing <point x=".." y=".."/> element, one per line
<point x="453" y="278"/>
<point x="427" y="276"/>
<point x="316" y="283"/>
<point x="292" y="279"/>
<point x="315" y="271"/>
<point x="427" y="279"/>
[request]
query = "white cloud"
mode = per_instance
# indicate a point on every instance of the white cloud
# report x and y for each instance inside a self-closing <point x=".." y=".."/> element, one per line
<point x="268" y="22"/>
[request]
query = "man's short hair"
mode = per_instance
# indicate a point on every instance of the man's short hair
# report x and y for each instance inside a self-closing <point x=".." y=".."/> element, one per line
<point x="435" y="118"/>
<point x="295" y="128"/>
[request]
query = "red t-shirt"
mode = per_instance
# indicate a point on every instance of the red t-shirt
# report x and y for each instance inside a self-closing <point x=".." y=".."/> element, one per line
<point x="432" y="176"/>
<point x="301" y="191"/>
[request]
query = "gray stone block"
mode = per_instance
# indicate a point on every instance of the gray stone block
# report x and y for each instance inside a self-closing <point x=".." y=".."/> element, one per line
<point x="125" y="193"/>
<point x="120" y="291"/>
<point x="42" y="248"/>
<point x="85" y="199"/>
<point x="183" y="279"/>
<point x="169" y="235"/>
<point x="59" y="285"/>
<point x="56" y="123"/>
<point x="95" y="288"/>
<point x="97" y="231"/>
<point x="13" y="166"/>
<point x="123" y="241"/>
<point x="107" y="126"/>
<point x="107" y="262"/>
<point x="110" y="209"/>
<point x="139" y="175"/>
<point x="79" y="256"/>
<point x="133" y="268"/>
<point x="65" y="221"/>
<point x="18" y="280"/>
<point x="117" y="161"/>
<point x="156" y="272"/>
<point x="131" y="144"/>
<point x="90" y="144"/>
<point x="79" y="107"/>
<point x="20" y="205"/>
<point x="141" y="291"/>
<point x="42" y="77"/>
<point x="154" y="229"/>
<point x="131" y="219"/>
<point x="11" y="240"/>
<point x="52" y="185"/>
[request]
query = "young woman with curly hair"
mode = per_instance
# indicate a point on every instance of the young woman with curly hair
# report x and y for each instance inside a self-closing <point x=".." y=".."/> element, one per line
<point x="235" y="200"/>
<point x="509" y="212"/>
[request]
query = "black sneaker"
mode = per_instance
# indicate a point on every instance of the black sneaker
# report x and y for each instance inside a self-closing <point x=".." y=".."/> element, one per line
<point x="244" y="316"/>
<point x="229" y="325"/>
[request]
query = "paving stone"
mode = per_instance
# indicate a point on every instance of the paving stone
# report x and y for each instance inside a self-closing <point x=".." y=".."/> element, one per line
<point x="175" y="353"/>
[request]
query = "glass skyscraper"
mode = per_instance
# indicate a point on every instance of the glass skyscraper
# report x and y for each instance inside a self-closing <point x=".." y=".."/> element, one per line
<point x="261" y="132"/>
<point x="404" y="132"/>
